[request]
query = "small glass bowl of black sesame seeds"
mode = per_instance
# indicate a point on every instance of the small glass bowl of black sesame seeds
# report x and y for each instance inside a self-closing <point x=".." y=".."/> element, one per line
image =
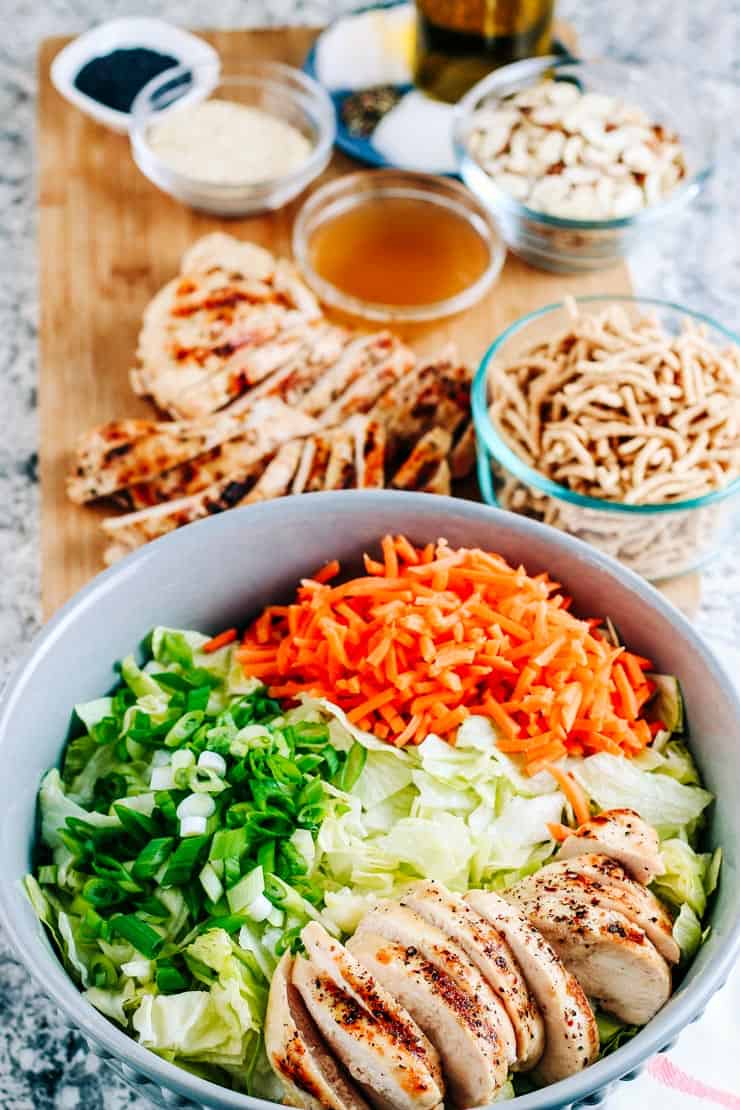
<point x="102" y="71"/>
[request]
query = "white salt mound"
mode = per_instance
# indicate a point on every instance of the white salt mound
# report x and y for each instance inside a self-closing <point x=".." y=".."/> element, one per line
<point x="372" y="48"/>
<point x="417" y="135"/>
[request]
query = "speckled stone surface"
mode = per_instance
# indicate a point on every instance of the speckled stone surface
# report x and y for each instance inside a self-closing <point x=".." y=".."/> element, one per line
<point x="44" y="1064"/>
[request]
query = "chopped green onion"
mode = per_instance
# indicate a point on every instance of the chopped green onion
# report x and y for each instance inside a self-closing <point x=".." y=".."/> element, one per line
<point x="103" y="972"/>
<point x="266" y="856"/>
<point x="196" y="805"/>
<point x="143" y="937"/>
<point x="103" y="892"/>
<point x="211" y="883"/>
<point x="232" y="871"/>
<point x="151" y="858"/>
<point x="184" y="860"/>
<point x="136" y="824"/>
<point x="169" y="980"/>
<point x="184" y="728"/>
<point x="106" y="867"/>
<point x="334" y="763"/>
<point x="198" y="698"/>
<point x="241" y="896"/>
<point x="291" y="861"/>
<point x="167" y="805"/>
<point x="92" y="926"/>
<point x="153" y="908"/>
<point x="193" y="826"/>
<point x="230" y="923"/>
<point x="48" y="874"/>
<point x="352" y="768"/>
<point x="290" y="941"/>
<point x="193" y="899"/>
<point x="229" y="842"/>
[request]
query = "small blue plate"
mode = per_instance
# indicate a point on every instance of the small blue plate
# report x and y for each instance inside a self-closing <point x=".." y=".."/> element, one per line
<point x="361" y="147"/>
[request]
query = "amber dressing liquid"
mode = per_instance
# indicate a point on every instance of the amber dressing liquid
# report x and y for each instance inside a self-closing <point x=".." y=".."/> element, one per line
<point x="399" y="251"/>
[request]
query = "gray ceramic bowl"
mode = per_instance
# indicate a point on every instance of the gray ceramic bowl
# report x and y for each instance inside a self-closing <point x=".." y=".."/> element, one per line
<point x="218" y="573"/>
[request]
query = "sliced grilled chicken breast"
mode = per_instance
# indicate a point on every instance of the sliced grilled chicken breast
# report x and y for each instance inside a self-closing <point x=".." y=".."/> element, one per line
<point x="409" y="929"/>
<point x="311" y="470"/>
<point x="436" y="392"/>
<point x="311" y="1077"/>
<point x="606" y="884"/>
<point x="323" y="346"/>
<point x="361" y="394"/>
<point x="341" y="469"/>
<point x="571" y="1033"/>
<point x="265" y="423"/>
<point x="359" y="356"/>
<point x="375" y="1037"/>
<point x="235" y="457"/>
<point x="612" y="959"/>
<point x="237" y="256"/>
<point x="250" y="364"/>
<point x="424" y="461"/>
<point x="369" y="452"/>
<point x="276" y="479"/>
<point x="229" y="294"/>
<point x="376" y="1057"/>
<point x="623" y="835"/>
<point x="440" y="481"/>
<point x="491" y="954"/>
<point x="210" y="376"/>
<point x="341" y="966"/>
<point x="462" y="456"/>
<point x="474" y="1062"/>
<point x="131" y="530"/>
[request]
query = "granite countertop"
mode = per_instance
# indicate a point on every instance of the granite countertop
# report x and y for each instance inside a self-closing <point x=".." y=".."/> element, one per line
<point x="45" y="1064"/>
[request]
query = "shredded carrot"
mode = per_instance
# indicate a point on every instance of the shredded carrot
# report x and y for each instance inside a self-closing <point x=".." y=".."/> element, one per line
<point x="559" y="832"/>
<point x="226" y="637"/>
<point x="573" y="792"/>
<point x="430" y="635"/>
<point x="327" y="572"/>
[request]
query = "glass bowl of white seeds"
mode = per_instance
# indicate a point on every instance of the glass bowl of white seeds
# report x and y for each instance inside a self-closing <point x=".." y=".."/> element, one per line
<point x="580" y="160"/>
<point x="232" y="141"/>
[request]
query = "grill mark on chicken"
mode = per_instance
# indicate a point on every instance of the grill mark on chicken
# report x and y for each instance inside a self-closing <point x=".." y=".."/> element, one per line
<point x="572" y="1036"/>
<point x="361" y="984"/>
<point x="488" y="950"/>
<point x="472" y="1053"/>
<point x="404" y="926"/>
<point x="612" y="959"/>
<point x="385" y="1068"/>
<point x="623" y="835"/>
<point x="603" y="883"/>
<point x="310" y="1075"/>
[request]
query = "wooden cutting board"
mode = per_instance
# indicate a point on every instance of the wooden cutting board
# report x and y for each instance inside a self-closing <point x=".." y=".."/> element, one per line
<point x="108" y="240"/>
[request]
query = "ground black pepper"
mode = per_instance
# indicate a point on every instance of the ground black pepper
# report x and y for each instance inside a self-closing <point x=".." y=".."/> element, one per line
<point x="362" y="111"/>
<point x="114" y="79"/>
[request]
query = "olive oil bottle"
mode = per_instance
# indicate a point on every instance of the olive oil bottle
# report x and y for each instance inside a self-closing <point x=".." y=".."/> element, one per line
<point x="460" y="41"/>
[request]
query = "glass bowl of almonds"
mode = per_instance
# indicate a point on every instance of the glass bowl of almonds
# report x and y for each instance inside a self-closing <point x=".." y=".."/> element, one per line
<point x="579" y="160"/>
<point x="617" y="420"/>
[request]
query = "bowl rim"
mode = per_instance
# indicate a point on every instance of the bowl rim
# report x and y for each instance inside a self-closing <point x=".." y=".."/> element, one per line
<point x="348" y="191"/>
<point x="302" y="89"/>
<point x="532" y="68"/>
<point x="507" y="457"/>
<point x="56" y="983"/>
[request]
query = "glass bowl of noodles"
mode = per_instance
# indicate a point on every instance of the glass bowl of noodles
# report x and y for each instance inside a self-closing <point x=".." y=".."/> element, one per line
<point x="617" y="420"/>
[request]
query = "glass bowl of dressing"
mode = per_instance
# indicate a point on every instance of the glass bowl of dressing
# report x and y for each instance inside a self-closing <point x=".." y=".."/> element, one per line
<point x="396" y="246"/>
<point x="232" y="143"/>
